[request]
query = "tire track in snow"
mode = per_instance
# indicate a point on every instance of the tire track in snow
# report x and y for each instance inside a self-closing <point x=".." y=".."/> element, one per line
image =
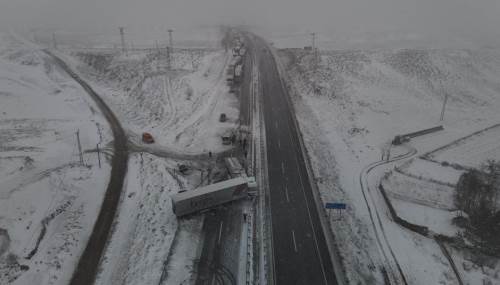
<point x="167" y="92"/>
<point x="375" y="216"/>
<point x="212" y="103"/>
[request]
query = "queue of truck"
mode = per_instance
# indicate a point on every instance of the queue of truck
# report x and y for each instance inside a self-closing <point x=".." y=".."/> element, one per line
<point x="239" y="185"/>
<point x="234" y="72"/>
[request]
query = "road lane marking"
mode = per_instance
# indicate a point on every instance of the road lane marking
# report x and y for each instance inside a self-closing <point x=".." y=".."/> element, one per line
<point x="286" y="194"/>
<point x="297" y="153"/>
<point x="276" y="124"/>
<point x="279" y="143"/>
<point x="294" y="243"/>
<point x="220" y="232"/>
<point x="282" y="168"/>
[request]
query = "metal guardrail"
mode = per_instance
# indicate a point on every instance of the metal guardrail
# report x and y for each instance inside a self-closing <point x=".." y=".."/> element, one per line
<point x="336" y="258"/>
<point x="264" y="232"/>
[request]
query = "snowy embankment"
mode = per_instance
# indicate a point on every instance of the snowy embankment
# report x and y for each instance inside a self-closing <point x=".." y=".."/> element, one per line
<point x="48" y="200"/>
<point x="180" y="108"/>
<point x="145" y="228"/>
<point x="351" y="104"/>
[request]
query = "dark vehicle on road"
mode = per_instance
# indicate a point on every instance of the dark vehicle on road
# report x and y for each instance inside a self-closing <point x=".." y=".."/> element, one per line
<point x="222" y="117"/>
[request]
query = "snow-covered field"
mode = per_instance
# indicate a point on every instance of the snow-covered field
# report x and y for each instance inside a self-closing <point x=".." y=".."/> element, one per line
<point x="419" y="191"/>
<point x="143" y="235"/>
<point x="48" y="200"/>
<point x="430" y="171"/>
<point x="180" y="108"/>
<point x="471" y="151"/>
<point x="351" y="104"/>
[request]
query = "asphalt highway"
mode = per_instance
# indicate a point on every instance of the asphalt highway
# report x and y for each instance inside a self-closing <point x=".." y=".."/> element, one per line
<point x="300" y="252"/>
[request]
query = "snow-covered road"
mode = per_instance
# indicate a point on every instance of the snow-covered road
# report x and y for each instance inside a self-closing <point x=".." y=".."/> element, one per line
<point x="49" y="200"/>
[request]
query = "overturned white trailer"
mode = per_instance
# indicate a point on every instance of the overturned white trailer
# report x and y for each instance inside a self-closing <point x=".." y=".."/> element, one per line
<point x="211" y="195"/>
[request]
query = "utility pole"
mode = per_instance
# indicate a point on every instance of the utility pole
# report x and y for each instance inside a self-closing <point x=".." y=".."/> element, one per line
<point x="122" y="36"/>
<point x="444" y="105"/>
<point x="313" y="46"/>
<point x="170" y="39"/>
<point x="79" y="146"/>
<point x="158" y="56"/>
<point x="54" y="43"/>
<point x="98" y="155"/>
<point x="169" y="65"/>
<point x="313" y="39"/>
<point x="35" y="39"/>
<point x="170" y="48"/>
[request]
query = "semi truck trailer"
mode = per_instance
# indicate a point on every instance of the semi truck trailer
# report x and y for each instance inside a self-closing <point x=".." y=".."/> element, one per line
<point x="211" y="195"/>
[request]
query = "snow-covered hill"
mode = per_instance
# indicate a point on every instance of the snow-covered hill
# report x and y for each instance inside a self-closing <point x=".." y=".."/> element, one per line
<point x="179" y="107"/>
<point x="350" y="104"/>
<point x="48" y="200"/>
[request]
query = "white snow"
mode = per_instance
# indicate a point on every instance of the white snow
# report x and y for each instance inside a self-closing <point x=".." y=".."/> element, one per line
<point x="349" y="109"/>
<point x="419" y="191"/>
<point x="431" y="171"/>
<point x="180" y="108"/>
<point x="42" y="108"/>
<point x="42" y="183"/>
<point x="145" y="227"/>
<point x="438" y="220"/>
<point x="472" y="151"/>
<point x="476" y="270"/>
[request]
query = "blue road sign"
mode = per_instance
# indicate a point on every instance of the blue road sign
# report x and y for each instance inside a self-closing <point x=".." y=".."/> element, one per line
<point x="341" y="206"/>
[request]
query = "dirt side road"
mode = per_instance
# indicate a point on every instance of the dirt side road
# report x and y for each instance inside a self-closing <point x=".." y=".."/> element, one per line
<point x="86" y="269"/>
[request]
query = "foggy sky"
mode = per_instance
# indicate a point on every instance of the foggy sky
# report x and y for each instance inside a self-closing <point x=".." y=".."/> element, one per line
<point x="474" y="19"/>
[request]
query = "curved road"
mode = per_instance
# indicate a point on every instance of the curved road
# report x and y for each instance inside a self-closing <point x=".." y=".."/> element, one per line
<point x="88" y="264"/>
<point x="378" y="228"/>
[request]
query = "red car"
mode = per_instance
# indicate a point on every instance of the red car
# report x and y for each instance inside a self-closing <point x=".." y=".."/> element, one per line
<point x="147" y="138"/>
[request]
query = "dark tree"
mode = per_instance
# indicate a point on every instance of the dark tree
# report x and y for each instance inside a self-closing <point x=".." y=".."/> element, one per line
<point x="477" y="195"/>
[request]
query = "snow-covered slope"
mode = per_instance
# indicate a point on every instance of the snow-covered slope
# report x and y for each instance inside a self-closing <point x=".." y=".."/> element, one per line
<point x="351" y="104"/>
<point x="48" y="200"/>
<point x="179" y="107"/>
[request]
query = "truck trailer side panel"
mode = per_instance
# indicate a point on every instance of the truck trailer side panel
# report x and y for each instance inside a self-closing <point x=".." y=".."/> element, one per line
<point x="209" y="196"/>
